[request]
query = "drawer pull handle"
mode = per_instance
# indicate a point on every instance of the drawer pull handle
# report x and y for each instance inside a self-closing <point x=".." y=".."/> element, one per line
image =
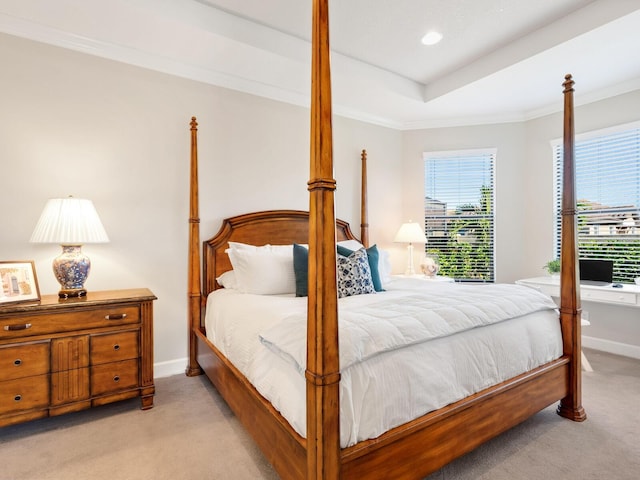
<point x="17" y="362"/>
<point x="118" y="316"/>
<point x="11" y="328"/>
<point x="116" y="378"/>
<point x="17" y="398"/>
<point x="116" y="347"/>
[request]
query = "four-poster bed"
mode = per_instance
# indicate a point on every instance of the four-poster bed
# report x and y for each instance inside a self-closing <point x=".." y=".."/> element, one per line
<point x="418" y="446"/>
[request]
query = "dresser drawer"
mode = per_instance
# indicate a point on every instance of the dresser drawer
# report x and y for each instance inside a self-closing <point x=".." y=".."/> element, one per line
<point x="609" y="296"/>
<point x="24" y="394"/>
<point x="68" y="321"/>
<point x="111" y="377"/>
<point x="114" y="347"/>
<point x="24" y="360"/>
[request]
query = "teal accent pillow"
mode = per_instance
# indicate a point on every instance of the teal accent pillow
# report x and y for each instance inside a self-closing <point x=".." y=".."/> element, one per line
<point x="373" y="256"/>
<point x="301" y="269"/>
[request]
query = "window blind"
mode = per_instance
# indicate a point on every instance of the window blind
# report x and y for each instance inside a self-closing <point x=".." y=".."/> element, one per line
<point x="459" y="213"/>
<point x="608" y="198"/>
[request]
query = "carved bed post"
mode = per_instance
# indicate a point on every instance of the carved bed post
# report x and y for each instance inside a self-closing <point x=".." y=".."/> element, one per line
<point x="570" y="309"/>
<point x="364" y="214"/>
<point x="323" y="367"/>
<point x="194" y="287"/>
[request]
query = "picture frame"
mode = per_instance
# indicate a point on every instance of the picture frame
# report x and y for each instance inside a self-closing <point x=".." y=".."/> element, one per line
<point x="18" y="282"/>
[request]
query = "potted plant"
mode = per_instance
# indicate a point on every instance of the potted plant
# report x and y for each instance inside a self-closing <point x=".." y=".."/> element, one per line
<point x="553" y="267"/>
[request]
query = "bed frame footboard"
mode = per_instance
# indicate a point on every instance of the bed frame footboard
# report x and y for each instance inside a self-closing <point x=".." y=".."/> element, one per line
<point x="426" y="444"/>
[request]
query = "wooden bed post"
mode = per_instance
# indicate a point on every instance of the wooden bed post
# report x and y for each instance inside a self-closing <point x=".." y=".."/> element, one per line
<point x="570" y="309"/>
<point x="364" y="214"/>
<point x="323" y="366"/>
<point x="194" y="287"/>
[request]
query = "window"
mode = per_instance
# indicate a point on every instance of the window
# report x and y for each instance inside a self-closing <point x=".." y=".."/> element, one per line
<point x="458" y="213"/>
<point x="608" y="198"/>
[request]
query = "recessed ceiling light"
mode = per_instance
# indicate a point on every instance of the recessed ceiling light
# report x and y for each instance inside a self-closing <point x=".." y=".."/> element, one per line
<point x="431" y="38"/>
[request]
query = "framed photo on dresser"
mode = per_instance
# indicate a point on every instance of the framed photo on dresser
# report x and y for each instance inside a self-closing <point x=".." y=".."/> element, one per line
<point x="19" y="282"/>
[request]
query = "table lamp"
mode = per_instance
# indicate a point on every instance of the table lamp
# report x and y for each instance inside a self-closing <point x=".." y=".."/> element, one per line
<point x="410" y="233"/>
<point x="70" y="222"/>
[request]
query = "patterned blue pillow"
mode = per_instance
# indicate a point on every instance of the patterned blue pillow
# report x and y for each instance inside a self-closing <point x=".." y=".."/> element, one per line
<point x="354" y="274"/>
<point x="373" y="256"/>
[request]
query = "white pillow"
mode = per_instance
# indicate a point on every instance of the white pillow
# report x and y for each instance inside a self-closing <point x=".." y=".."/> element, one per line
<point x="266" y="270"/>
<point x="352" y="245"/>
<point x="241" y="246"/>
<point x="268" y="247"/>
<point x="228" y="280"/>
<point x="384" y="266"/>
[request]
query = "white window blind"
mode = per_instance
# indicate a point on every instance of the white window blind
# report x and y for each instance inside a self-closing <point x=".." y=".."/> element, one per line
<point x="608" y="198"/>
<point x="459" y="213"/>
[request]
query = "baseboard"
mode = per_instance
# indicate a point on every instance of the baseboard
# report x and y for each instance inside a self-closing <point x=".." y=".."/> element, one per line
<point x="172" y="367"/>
<point x="609" y="346"/>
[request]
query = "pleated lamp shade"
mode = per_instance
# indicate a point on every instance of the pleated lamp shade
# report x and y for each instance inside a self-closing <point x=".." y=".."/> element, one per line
<point x="70" y="222"/>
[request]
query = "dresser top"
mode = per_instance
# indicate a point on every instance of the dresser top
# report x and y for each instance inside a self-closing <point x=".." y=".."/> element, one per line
<point x="102" y="297"/>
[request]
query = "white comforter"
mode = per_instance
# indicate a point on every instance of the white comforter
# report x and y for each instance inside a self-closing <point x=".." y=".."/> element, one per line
<point x="401" y="318"/>
<point x="404" y="352"/>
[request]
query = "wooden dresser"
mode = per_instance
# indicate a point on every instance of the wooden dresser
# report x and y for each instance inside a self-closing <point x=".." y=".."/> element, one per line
<point x="64" y="355"/>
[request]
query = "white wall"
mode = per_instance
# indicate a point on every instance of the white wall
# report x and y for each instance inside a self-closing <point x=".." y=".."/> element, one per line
<point x="75" y="124"/>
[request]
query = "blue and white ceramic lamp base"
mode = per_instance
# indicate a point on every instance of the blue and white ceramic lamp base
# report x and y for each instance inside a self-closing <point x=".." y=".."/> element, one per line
<point x="71" y="269"/>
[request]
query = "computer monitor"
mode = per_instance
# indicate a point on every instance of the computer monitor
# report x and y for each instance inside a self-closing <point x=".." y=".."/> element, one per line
<point x="596" y="272"/>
